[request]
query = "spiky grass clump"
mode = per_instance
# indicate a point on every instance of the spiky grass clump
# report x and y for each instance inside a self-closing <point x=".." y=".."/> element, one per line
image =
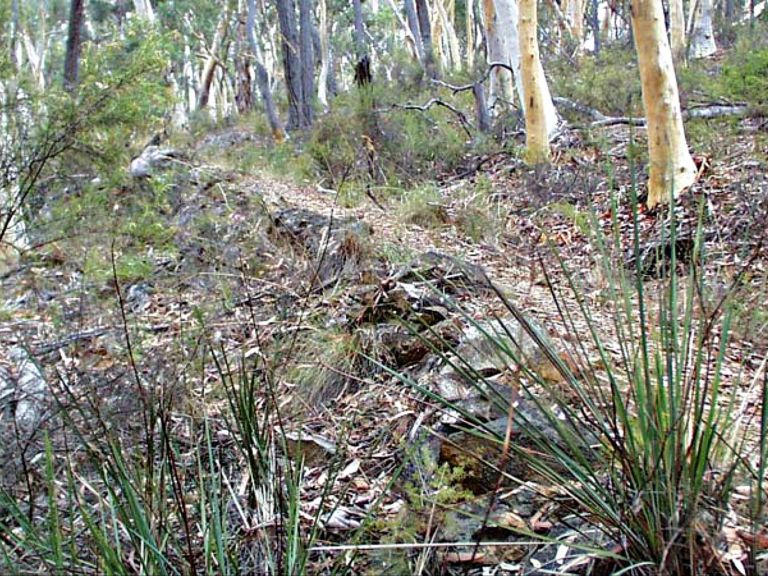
<point x="649" y="398"/>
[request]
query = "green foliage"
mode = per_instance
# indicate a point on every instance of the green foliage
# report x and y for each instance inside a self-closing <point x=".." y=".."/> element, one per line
<point x="124" y="81"/>
<point x="365" y="139"/>
<point x="424" y="207"/>
<point x="609" y="83"/>
<point x="657" y="406"/>
<point x="746" y="78"/>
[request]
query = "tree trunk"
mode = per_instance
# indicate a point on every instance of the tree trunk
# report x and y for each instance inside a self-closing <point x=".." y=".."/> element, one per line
<point x="425" y="28"/>
<point x="413" y="26"/>
<point x="209" y="68"/>
<point x="481" y="108"/>
<point x="324" y="53"/>
<point x="703" y="36"/>
<point x="286" y="14"/>
<point x="361" y="50"/>
<point x="595" y="23"/>
<point x="677" y="30"/>
<point x="536" y="96"/>
<point x="501" y="47"/>
<point x="574" y="14"/>
<point x="671" y="167"/>
<point x="13" y="41"/>
<point x="74" y="45"/>
<point x="144" y="9"/>
<point x="262" y="77"/>
<point x="307" y="54"/>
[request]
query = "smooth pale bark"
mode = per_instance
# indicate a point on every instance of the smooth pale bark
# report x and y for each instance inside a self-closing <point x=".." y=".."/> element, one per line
<point x="452" y="52"/>
<point x="144" y="9"/>
<point x="469" y="31"/>
<point x="324" y="54"/>
<point x="508" y="16"/>
<point x="413" y="27"/>
<point x="307" y="56"/>
<point x="209" y="68"/>
<point x="497" y="36"/>
<point x="262" y="77"/>
<point x="574" y="15"/>
<point x="671" y="167"/>
<point x="535" y="90"/>
<point x="74" y="44"/>
<point x="703" y="35"/>
<point x="677" y="30"/>
<point x="286" y="14"/>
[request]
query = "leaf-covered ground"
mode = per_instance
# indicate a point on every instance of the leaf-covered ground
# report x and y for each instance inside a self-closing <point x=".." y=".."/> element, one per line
<point x="211" y="260"/>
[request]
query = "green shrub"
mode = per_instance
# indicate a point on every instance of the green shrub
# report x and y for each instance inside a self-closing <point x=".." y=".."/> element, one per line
<point x="365" y="138"/>
<point x="746" y="78"/>
<point x="609" y="83"/>
<point x="645" y="431"/>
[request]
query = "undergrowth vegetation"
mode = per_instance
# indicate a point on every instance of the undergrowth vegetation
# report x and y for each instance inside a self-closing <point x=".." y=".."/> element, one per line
<point x="644" y="436"/>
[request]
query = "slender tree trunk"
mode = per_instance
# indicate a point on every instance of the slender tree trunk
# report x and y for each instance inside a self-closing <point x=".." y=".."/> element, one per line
<point x="677" y="30"/>
<point x="536" y="96"/>
<point x="286" y="13"/>
<point x="413" y="25"/>
<point x="500" y="45"/>
<point x="324" y="52"/>
<point x="703" y="36"/>
<point x="361" y="49"/>
<point x="209" y="68"/>
<point x="425" y="28"/>
<point x="307" y="55"/>
<point x="671" y="167"/>
<point x="452" y="52"/>
<point x="13" y="42"/>
<point x="481" y="108"/>
<point x="74" y="45"/>
<point x="595" y="22"/>
<point x="144" y="9"/>
<point x="574" y="15"/>
<point x="262" y="77"/>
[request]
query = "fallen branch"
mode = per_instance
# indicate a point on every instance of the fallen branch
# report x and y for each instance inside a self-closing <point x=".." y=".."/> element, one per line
<point x="599" y="119"/>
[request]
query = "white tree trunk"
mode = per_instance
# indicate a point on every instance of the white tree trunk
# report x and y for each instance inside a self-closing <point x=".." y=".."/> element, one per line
<point x="322" y="79"/>
<point x="703" y="36"/>
<point x="539" y="122"/>
<point x="501" y="87"/>
<point x="574" y="15"/>
<point x="671" y="167"/>
<point x="144" y="10"/>
<point x="677" y="29"/>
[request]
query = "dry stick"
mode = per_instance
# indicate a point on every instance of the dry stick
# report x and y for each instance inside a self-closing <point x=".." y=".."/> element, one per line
<point x="599" y="119"/>
<point x="437" y="102"/>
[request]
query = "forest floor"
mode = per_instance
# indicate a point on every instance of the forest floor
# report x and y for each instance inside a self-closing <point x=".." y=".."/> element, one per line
<point x="292" y="281"/>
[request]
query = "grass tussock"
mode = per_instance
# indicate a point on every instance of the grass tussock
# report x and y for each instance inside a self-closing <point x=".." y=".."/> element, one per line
<point x="645" y="439"/>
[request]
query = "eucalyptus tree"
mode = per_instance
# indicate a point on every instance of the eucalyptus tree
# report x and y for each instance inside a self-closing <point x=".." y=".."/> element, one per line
<point x="672" y="169"/>
<point x="306" y="54"/>
<point x="74" y="44"/>
<point x="502" y="45"/>
<point x="414" y="29"/>
<point x="262" y="76"/>
<point x="425" y="30"/>
<point x="703" y="35"/>
<point x="292" y="63"/>
<point x="677" y="30"/>
<point x="540" y="114"/>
